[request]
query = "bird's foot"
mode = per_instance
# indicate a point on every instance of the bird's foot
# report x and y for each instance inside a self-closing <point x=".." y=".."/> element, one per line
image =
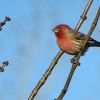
<point x="73" y="60"/>
<point x="77" y="63"/>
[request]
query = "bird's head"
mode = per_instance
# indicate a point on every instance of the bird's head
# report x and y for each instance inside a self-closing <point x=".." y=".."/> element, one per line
<point x="61" y="29"/>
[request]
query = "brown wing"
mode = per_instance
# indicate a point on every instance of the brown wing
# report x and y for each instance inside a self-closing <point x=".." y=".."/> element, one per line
<point x="81" y="36"/>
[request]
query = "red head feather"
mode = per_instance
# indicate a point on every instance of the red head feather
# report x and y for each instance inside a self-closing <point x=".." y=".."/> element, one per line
<point x="60" y="30"/>
<point x="62" y="26"/>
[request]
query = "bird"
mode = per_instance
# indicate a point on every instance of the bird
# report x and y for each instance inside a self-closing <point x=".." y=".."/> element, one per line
<point x="71" y="41"/>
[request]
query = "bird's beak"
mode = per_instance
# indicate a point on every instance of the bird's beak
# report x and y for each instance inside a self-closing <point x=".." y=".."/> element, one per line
<point x="55" y="30"/>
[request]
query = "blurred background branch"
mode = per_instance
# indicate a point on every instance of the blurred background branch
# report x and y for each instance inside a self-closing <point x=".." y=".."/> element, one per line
<point x="60" y="53"/>
<point x="5" y="63"/>
<point x="3" y="22"/>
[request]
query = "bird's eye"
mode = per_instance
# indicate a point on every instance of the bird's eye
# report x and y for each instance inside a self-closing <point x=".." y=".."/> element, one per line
<point x="61" y="28"/>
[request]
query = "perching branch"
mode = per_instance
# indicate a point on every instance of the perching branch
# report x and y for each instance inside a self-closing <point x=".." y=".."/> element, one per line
<point x="45" y="76"/>
<point x="60" y="53"/>
<point x="75" y="64"/>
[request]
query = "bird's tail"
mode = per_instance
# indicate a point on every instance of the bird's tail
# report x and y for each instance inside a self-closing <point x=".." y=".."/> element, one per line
<point x="94" y="44"/>
<point x="97" y="44"/>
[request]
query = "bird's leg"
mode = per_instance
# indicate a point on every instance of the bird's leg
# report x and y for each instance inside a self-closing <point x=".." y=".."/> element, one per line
<point x="73" y="60"/>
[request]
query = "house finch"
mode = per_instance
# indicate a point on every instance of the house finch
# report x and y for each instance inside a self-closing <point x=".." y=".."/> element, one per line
<point x="71" y="41"/>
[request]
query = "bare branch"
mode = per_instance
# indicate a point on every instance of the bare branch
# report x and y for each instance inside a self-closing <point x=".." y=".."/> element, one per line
<point x="60" y="53"/>
<point x="83" y="16"/>
<point x="74" y="66"/>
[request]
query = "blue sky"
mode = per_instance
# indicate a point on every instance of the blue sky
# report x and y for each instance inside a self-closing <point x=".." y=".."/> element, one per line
<point x="29" y="45"/>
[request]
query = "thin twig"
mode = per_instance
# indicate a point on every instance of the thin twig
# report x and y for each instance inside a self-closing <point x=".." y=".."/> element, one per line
<point x="74" y="66"/>
<point x="84" y="17"/>
<point x="59" y="54"/>
<point x="3" y="23"/>
<point x="4" y="64"/>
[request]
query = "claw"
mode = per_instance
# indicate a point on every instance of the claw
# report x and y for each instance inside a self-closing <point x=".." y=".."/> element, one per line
<point x="73" y="60"/>
<point x="77" y="63"/>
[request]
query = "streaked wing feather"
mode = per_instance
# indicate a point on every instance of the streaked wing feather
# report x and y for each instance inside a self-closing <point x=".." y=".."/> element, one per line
<point x="81" y="36"/>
